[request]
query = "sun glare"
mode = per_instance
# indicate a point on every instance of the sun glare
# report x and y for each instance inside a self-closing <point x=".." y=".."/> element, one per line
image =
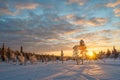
<point x="90" y="54"/>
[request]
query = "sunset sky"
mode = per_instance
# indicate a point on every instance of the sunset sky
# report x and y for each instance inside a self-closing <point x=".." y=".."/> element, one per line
<point x="47" y="26"/>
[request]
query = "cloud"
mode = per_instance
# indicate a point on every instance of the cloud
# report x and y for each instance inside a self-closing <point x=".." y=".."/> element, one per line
<point x="117" y="12"/>
<point x="4" y="8"/>
<point x="14" y="8"/>
<point x="33" y="33"/>
<point x="100" y="38"/>
<point x="117" y="15"/>
<point x="80" y="2"/>
<point x="91" y="22"/>
<point x="72" y="31"/>
<point x="5" y="11"/>
<point x="116" y="24"/>
<point x="42" y="27"/>
<point x="113" y="4"/>
<point x="68" y="16"/>
<point x="76" y="20"/>
<point x="29" y="6"/>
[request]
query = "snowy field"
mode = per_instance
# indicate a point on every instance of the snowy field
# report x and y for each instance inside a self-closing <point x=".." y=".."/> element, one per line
<point x="95" y="70"/>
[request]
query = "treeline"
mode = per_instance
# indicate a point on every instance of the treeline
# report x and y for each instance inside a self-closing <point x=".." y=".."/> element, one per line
<point x="114" y="53"/>
<point x="21" y="57"/>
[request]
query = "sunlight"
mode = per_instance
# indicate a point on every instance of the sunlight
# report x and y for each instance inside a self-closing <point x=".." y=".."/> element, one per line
<point x="94" y="70"/>
<point x="90" y="55"/>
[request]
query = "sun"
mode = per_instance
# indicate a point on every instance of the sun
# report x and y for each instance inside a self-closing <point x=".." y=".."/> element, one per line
<point x="90" y="54"/>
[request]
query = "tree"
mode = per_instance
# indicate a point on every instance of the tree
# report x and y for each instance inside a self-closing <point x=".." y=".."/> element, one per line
<point x="62" y="56"/>
<point x="75" y="53"/>
<point x="3" y="55"/>
<point x="82" y="49"/>
<point x="95" y="55"/>
<point x="115" y="53"/>
<point x="108" y="53"/>
<point x="8" y="54"/>
<point x="21" y="49"/>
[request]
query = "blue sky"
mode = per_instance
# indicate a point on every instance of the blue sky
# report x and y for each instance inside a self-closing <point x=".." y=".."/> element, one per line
<point x="47" y="26"/>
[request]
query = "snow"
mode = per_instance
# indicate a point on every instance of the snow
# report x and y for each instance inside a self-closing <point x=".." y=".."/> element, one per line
<point x="95" y="70"/>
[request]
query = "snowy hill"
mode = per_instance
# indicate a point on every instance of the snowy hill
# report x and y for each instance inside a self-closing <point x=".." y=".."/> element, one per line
<point x="95" y="70"/>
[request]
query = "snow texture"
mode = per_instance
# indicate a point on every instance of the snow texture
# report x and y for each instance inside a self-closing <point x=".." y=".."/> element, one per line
<point x="93" y="70"/>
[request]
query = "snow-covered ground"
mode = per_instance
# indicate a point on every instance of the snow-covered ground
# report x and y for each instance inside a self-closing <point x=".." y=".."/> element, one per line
<point x="95" y="70"/>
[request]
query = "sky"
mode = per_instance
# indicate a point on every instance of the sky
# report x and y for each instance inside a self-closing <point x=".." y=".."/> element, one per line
<point x="48" y="26"/>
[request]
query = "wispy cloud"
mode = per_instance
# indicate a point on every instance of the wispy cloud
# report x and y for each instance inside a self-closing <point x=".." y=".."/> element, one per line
<point x="5" y="11"/>
<point x="28" y="6"/>
<point x="79" y="2"/>
<point x="42" y="26"/>
<point x="116" y="9"/>
<point x="117" y="12"/>
<point x="101" y="38"/>
<point x="19" y="6"/>
<point x="114" y="4"/>
<point x="91" y="22"/>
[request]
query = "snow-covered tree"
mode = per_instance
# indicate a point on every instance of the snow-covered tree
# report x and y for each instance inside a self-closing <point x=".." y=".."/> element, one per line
<point x="75" y="53"/>
<point x="82" y="49"/>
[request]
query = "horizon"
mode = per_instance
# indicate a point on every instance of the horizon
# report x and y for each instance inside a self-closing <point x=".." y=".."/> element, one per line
<point x="49" y="27"/>
<point x="68" y="53"/>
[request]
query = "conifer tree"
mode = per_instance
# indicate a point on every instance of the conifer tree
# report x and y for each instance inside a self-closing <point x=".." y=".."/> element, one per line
<point x="8" y="54"/>
<point x="75" y="54"/>
<point x="62" y="56"/>
<point x="115" y="53"/>
<point x="108" y="53"/>
<point x="82" y="48"/>
<point x="21" y="49"/>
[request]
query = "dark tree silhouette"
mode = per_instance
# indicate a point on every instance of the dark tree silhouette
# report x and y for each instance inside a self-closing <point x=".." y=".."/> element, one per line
<point x="62" y="56"/>
<point x="21" y="49"/>
<point x="108" y="53"/>
<point x="115" y="53"/>
<point x="3" y="52"/>
<point x="95" y="55"/>
<point x="8" y="54"/>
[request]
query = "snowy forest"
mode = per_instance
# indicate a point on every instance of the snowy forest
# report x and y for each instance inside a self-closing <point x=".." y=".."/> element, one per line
<point x="22" y="58"/>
